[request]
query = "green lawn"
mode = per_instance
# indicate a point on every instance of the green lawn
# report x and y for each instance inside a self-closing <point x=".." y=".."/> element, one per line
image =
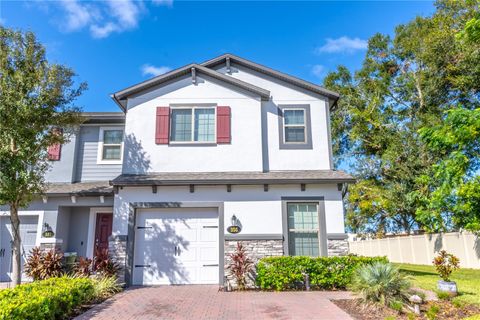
<point x="468" y="280"/>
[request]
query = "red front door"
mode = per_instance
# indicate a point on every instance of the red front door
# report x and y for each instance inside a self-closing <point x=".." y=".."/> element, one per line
<point x="103" y="230"/>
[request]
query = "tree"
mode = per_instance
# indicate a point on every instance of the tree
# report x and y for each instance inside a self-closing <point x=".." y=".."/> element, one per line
<point x="454" y="183"/>
<point x="406" y="83"/>
<point x="35" y="100"/>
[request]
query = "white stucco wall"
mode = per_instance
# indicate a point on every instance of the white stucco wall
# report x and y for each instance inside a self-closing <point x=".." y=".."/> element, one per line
<point x="283" y="93"/>
<point x="245" y="151"/>
<point x="259" y="212"/>
<point x="243" y="154"/>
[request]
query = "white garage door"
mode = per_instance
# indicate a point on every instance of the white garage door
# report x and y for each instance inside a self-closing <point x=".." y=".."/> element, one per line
<point x="28" y="234"/>
<point x="176" y="246"/>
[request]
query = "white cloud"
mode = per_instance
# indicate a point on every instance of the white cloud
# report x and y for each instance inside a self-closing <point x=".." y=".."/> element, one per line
<point x="3" y="21"/>
<point x="168" y="3"/>
<point x="103" y="18"/>
<point x="318" y="70"/>
<point x="148" y="69"/>
<point x="342" y="44"/>
<point x="77" y="15"/>
<point x="103" y="31"/>
<point x="122" y="15"/>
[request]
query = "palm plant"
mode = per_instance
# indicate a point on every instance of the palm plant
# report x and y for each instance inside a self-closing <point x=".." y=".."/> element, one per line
<point x="240" y="266"/>
<point x="380" y="283"/>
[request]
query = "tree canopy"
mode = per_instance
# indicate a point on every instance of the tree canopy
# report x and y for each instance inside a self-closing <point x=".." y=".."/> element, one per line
<point x="35" y="99"/>
<point x="407" y="83"/>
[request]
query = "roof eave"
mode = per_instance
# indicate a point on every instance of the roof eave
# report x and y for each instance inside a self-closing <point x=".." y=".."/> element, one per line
<point x="122" y="95"/>
<point x="118" y="102"/>
<point x="228" y="182"/>
<point x="277" y="74"/>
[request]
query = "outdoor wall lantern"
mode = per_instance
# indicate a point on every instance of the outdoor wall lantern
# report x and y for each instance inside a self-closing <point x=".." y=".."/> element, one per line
<point x="236" y="226"/>
<point x="47" y="231"/>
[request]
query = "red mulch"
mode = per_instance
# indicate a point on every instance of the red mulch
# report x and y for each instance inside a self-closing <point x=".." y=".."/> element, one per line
<point x="448" y="311"/>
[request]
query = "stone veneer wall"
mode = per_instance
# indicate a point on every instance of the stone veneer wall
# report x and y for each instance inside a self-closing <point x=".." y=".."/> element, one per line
<point x="337" y="247"/>
<point x="117" y="248"/>
<point x="256" y="249"/>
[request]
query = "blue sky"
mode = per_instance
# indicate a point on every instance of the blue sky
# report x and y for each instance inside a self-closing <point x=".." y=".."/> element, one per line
<point x="114" y="44"/>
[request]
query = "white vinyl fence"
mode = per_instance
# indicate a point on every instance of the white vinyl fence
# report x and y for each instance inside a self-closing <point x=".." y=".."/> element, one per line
<point x="421" y="249"/>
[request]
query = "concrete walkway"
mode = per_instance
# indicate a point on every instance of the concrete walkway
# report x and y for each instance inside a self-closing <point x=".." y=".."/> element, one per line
<point x="206" y="302"/>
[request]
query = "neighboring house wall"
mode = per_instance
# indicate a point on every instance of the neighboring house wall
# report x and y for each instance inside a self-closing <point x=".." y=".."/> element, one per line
<point x="87" y="168"/>
<point x="283" y="94"/>
<point x="243" y="154"/>
<point x="63" y="169"/>
<point x="77" y="236"/>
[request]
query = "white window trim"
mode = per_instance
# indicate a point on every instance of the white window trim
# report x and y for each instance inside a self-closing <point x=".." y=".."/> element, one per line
<point x="100" y="159"/>
<point x="304" y="126"/>
<point x="193" y="108"/>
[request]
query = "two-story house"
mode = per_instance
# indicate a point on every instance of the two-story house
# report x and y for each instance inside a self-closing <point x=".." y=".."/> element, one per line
<point x="199" y="158"/>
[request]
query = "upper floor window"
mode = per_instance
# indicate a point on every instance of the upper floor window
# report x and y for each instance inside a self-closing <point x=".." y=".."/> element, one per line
<point x="193" y="124"/>
<point x="110" y="145"/>
<point x="294" y="127"/>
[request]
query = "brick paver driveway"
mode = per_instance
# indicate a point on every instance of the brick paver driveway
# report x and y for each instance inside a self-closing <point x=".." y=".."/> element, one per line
<point x="206" y="302"/>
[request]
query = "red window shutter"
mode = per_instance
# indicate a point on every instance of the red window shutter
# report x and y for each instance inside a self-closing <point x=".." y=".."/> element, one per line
<point x="223" y="125"/>
<point x="162" y="131"/>
<point x="55" y="150"/>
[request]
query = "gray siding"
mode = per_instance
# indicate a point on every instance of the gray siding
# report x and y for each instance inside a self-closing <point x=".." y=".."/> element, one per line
<point x="62" y="170"/>
<point x="87" y="168"/>
<point x="77" y="236"/>
<point x="62" y="225"/>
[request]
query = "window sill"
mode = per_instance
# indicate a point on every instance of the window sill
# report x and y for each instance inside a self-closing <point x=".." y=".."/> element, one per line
<point x="192" y="144"/>
<point x="297" y="146"/>
<point x="109" y="162"/>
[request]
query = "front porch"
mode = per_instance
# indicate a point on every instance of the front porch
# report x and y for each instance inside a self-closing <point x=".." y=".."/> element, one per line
<point x="78" y="230"/>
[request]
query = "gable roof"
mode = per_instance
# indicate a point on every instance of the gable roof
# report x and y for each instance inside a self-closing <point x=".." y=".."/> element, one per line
<point x="273" y="73"/>
<point x="120" y="97"/>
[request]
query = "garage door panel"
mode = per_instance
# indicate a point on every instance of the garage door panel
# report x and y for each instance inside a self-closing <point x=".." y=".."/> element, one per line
<point x="207" y="233"/>
<point x="182" y="228"/>
<point x="208" y="274"/>
<point x="28" y="234"/>
<point x="208" y="254"/>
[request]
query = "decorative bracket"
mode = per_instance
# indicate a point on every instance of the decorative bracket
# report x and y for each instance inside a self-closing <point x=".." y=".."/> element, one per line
<point x="194" y="76"/>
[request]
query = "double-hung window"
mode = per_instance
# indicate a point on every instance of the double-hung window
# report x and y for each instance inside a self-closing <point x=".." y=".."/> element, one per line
<point x="294" y="125"/>
<point x="303" y="229"/>
<point x="193" y="124"/>
<point x="110" y="145"/>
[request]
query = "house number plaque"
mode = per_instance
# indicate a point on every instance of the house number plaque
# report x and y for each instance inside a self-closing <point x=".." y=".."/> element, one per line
<point x="234" y="229"/>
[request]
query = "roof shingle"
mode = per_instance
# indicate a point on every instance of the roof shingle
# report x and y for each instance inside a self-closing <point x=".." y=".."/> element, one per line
<point x="212" y="178"/>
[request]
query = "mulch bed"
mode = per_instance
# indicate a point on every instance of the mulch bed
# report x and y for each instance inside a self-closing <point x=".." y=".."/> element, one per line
<point x="448" y="311"/>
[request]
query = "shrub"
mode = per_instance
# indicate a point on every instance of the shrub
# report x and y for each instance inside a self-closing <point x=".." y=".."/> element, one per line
<point x="42" y="265"/>
<point x="380" y="283"/>
<point x="104" y="264"/>
<point x="443" y="295"/>
<point x="432" y="312"/>
<point x="84" y="267"/>
<point x="445" y="263"/>
<point x="396" y="305"/>
<point x="105" y="287"/>
<point x="54" y="298"/>
<point x="283" y="273"/>
<point x="240" y="266"/>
